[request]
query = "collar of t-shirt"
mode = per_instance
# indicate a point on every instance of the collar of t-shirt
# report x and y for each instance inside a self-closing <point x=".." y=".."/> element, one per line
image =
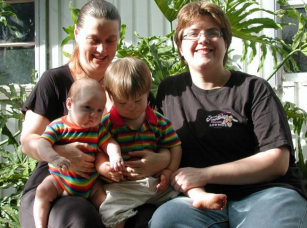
<point x="117" y="120"/>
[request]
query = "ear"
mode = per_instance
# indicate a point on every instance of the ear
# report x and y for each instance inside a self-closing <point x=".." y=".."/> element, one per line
<point x="76" y="32"/>
<point x="180" y="51"/>
<point x="69" y="103"/>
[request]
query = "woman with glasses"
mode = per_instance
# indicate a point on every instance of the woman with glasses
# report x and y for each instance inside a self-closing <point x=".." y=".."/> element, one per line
<point x="234" y="132"/>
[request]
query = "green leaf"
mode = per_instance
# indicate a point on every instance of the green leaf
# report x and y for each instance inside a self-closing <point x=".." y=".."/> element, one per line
<point x="169" y="13"/>
<point x="74" y="13"/>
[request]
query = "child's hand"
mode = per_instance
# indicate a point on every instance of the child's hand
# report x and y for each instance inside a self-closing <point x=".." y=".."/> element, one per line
<point x="117" y="163"/>
<point x="164" y="180"/>
<point x="61" y="163"/>
<point x="111" y="173"/>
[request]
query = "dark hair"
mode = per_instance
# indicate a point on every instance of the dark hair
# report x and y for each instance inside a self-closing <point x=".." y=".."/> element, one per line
<point x="128" y="77"/>
<point x="190" y="11"/>
<point x="99" y="9"/>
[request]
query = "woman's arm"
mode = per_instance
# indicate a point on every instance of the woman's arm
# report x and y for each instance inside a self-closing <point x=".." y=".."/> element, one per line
<point x="261" y="167"/>
<point x="147" y="163"/>
<point x="34" y="125"/>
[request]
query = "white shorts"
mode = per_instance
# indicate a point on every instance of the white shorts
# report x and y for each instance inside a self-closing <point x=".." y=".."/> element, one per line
<point x="123" y="197"/>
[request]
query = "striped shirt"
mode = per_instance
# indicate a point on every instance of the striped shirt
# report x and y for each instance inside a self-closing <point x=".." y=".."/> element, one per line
<point x="61" y="132"/>
<point x="155" y="132"/>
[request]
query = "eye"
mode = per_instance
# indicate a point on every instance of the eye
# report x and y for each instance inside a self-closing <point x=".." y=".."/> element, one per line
<point x="87" y="107"/>
<point x="99" y="110"/>
<point x="213" y="34"/>
<point x="111" y="41"/>
<point x="193" y="34"/>
<point x="92" y="40"/>
<point x="138" y="101"/>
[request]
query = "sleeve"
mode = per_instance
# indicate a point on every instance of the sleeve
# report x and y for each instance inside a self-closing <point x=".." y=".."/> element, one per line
<point x="168" y="136"/>
<point x="104" y="136"/>
<point x="270" y="121"/>
<point x="50" y="134"/>
<point x="49" y="95"/>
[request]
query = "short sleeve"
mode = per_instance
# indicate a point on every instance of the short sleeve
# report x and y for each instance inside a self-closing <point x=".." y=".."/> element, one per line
<point x="48" y="97"/>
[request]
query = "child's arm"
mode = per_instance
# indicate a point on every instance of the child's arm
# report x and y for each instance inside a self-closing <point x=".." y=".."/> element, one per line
<point x="113" y="150"/>
<point x="47" y="153"/>
<point x="166" y="174"/>
<point x="104" y="168"/>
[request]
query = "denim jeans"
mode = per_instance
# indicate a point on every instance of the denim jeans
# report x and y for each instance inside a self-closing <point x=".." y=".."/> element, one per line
<point x="270" y="208"/>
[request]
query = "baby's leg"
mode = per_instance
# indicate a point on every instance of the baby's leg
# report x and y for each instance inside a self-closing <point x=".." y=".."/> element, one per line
<point x="207" y="201"/>
<point x="98" y="194"/>
<point x="46" y="192"/>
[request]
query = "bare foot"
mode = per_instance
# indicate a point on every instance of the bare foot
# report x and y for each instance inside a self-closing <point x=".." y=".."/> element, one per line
<point x="210" y="201"/>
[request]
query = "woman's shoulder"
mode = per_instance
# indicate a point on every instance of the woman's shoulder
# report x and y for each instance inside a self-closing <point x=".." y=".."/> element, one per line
<point x="253" y="84"/>
<point x="58" y="72"/>
<point x="178" y="77"/>
<point x="240" y="77"/>
<point x="176" y="81"/>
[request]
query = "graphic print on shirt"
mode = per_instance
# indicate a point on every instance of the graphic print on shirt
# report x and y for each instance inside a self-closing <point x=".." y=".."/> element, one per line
<point x="221" y="120"/>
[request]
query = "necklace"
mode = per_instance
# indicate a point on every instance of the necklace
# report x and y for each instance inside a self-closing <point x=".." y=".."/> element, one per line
<point x="88" y="75"/>
<point x="101" y="79"/>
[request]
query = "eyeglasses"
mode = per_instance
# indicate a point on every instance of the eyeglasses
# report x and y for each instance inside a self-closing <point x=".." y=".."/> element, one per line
<point x="195" y="35"/>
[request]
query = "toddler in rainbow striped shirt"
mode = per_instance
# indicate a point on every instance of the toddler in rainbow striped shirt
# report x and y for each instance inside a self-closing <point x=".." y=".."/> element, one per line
<point x="135" y="127"/>
<point x="85" y="103"/>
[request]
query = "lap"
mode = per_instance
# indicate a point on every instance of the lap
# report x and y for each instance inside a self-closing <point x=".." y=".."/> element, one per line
<point x="70" y="211"/>
<point x="274" y="207"/>
<point x="179" y="213"/>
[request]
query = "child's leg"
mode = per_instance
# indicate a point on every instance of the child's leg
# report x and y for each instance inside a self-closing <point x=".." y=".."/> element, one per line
<point x="120" y="225"/>
<point x="46" y="192"/>
<point x="98" y="194"/>
<point x="207" y="201"/>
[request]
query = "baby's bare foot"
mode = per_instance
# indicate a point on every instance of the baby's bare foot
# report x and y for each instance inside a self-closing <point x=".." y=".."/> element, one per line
<point x="210" y="201"/>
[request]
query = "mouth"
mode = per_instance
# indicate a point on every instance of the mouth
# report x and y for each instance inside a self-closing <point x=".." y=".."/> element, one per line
<point x="100" y="58"/>
<point x="204" y="50"/>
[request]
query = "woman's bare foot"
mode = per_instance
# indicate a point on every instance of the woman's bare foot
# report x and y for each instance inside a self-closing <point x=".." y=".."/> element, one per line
<point x="210" y="201"/>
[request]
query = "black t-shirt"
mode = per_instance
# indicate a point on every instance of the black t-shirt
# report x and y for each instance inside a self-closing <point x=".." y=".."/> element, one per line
<point x="48" y="97"/>
<point x="227" y="124"/>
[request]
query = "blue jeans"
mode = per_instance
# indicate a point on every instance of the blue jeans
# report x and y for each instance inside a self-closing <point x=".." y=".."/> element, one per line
<point x="272" y="208"/>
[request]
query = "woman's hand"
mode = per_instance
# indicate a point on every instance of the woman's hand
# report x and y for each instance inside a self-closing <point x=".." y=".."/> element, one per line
<point x="81" y="163"/>
<point x="146" y="164"/>
<point x="186" y="178"/>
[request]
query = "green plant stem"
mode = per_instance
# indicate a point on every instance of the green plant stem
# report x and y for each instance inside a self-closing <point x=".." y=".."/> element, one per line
<point x="6" y="140"/>
<point x="172" y="38"/>
<point x="282" y="63"/>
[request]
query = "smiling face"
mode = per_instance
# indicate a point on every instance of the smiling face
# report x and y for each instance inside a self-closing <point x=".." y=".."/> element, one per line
<point x="203" y="52"/>
<point x="97" y="44"/>
<point x="86" y="108"/>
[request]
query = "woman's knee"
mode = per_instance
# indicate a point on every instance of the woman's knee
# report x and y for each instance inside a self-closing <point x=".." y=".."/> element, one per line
<point x="72" y="211"/>
<point x="270" y="208"/>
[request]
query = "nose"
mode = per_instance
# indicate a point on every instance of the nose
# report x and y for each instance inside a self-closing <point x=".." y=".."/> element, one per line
<point x="202" y="37"/>
<point x="100" y="48"/>
<point x="131" y="107"/>
<point x="94" y="114"/>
